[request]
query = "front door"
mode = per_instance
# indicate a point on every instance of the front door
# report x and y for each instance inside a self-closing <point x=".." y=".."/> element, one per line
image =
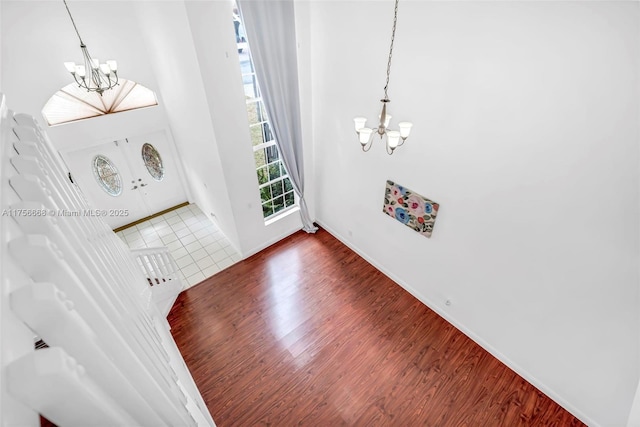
<point x="128" y="179"/>
<point x="155" y="171"/>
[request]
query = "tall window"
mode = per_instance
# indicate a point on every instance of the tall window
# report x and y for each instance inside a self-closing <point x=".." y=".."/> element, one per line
<point x="276" y="191"/>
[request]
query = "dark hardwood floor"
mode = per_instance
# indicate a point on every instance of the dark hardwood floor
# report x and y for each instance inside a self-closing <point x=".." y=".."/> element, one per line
<point x="307" y="332"/>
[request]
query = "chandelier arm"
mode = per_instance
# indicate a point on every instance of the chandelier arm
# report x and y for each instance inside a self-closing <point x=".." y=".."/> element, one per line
<point x="402" y="141"/>
<point x="97" y="78"/>
<point x="389" y="149"/>
<point x="90" y="72"/>
<point x="366" y="147"/>
<point x="109" y="82"/>
<point x="80" y="83"/>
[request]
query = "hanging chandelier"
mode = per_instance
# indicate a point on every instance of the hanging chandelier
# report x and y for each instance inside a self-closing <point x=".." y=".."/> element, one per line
<point x="394" y="138"/>
<point x="91" y="75"/>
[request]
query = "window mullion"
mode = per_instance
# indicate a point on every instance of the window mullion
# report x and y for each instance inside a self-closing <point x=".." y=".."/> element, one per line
<point x="264" y="145"/>
<point x="273" y="181"/>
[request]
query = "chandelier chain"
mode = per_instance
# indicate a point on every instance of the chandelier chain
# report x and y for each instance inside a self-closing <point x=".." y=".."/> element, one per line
<point x="73" y="22"/>
<point x="393" y="36"/>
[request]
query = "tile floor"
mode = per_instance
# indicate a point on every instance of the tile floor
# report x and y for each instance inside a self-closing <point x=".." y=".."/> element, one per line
<point x="198" y="246"/>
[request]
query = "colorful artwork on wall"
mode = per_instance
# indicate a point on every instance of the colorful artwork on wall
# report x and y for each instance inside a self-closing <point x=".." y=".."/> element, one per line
<point x="410" y="208"/>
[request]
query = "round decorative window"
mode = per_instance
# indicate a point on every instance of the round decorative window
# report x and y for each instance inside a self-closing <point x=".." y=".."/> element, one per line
<point x="153" y="161"/>
<point x="107" y="175"/>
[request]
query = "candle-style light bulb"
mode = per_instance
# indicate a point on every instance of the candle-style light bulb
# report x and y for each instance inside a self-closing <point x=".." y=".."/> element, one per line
<point x="71" y="67"/>
<point x="365" y="135"/>
<point x="393" y="138"/>
<point x="405" y="129"/>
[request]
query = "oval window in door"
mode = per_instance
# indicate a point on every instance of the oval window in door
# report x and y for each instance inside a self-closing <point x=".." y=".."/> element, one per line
<point x="107" y="175"/>
<point x="153" y="161"/>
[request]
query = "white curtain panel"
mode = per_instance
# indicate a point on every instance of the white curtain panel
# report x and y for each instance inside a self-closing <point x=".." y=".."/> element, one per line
<point x="270" y="29"/>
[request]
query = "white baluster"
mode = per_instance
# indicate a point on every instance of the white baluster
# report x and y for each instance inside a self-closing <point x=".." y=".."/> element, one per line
<point x="46" y="309"/>
<point x="52" y="383"/>
<point x="90" y="297"/>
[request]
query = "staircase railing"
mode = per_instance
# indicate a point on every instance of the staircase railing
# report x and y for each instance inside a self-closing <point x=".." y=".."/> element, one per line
<point x="162" y="274"/>
<point x="72" y="282"/>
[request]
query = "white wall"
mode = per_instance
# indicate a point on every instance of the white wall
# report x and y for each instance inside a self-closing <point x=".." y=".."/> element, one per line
<point x="38" y="36"/>
<point x="526" y="132"/>
<point x="192" y="47"/>
<point x="1" y="49"/>
<point x="167" y="36"/>
<point x="634" y="414"/>
<point x="214" y="41"/>
<point x="186" y="52"/>
<point x="302" y="10"/>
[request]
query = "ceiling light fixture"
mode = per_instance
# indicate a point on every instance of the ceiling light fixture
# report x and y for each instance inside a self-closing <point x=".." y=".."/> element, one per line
<point x="92" y="76"/>
<point x="394" y="137"/>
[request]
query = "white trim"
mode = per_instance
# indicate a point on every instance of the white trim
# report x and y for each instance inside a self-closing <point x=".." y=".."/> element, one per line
<point x="264" y="145"/>
<point x="273" y="181"/>
<point x="282" y="214"/>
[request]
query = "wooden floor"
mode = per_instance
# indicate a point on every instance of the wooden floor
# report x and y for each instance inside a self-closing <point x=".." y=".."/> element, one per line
<point x="307" y="332"/>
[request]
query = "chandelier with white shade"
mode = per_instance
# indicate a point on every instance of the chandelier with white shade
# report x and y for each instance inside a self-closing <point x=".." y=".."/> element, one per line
<point x="394" y="138"/>
<point x="91" y="75"/>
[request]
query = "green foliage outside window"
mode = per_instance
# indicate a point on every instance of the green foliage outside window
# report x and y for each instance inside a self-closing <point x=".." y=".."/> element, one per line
<point x="276" y="190"/>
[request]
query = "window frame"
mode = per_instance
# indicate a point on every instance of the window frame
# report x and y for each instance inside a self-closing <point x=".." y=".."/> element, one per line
<point x="103" y="179"/>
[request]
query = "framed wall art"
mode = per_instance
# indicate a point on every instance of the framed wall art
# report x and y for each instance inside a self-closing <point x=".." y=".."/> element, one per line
<point x="410" y="208"/>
